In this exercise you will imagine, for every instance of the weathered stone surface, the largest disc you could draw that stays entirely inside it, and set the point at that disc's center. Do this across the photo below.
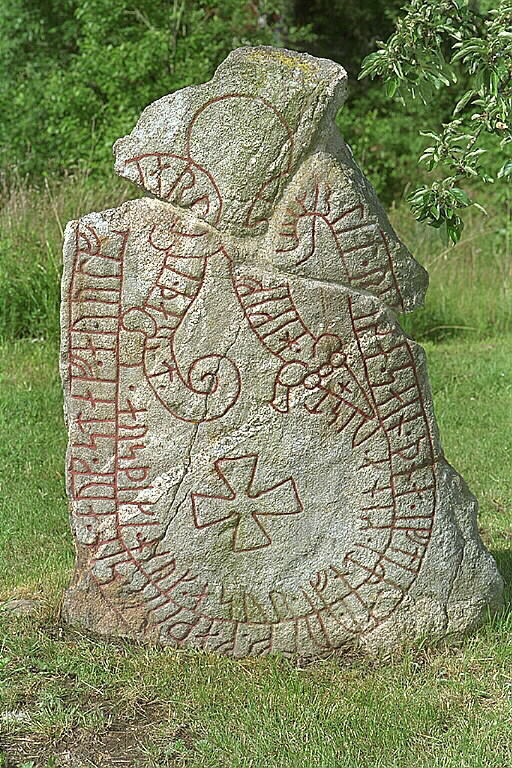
(254, 464)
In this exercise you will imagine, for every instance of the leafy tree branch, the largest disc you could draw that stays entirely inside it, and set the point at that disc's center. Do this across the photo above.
(452, 45)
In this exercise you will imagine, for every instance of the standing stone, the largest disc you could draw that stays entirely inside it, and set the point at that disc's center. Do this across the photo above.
(254, 464)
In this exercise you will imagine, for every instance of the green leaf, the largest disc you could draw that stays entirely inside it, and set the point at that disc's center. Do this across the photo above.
(369, 64)
(427, 156)
(494, 82)
(463, 101)
(460, 196)
(476, 153)
(391, 87)
(454, 227)
(418, 194)
(505, 170)
(435, 211)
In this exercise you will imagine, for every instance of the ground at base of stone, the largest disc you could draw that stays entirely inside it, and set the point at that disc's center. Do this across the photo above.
(119, 746)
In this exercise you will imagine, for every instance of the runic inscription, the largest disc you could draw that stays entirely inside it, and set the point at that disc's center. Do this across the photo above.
(253, 461)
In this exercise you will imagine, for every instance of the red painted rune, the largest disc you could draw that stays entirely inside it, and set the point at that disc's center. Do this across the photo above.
(244, 505)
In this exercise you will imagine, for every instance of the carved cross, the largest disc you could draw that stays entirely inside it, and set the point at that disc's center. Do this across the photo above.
(243, 505)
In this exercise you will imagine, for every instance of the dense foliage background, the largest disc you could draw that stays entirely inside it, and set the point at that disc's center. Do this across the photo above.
(77, 73)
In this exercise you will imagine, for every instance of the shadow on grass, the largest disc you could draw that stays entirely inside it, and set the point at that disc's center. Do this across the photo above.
(503, 559)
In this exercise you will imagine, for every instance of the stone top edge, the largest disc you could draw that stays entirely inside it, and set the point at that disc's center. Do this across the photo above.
(325, 74)
(303, 63)
(294, 97)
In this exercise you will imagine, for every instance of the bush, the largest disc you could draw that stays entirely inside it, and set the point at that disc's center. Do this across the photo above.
(77, 74)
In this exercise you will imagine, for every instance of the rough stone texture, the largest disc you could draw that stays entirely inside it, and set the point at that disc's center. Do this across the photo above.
(254, 464)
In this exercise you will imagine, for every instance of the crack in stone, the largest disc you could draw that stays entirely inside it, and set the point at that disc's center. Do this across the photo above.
(248, 244)
(192, 444)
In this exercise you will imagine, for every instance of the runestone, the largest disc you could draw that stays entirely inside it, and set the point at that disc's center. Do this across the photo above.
(254, 465)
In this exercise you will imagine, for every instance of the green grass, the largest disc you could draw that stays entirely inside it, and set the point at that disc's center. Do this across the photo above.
(34, 537)
(32, 222)
(64, 693)
(470, 291)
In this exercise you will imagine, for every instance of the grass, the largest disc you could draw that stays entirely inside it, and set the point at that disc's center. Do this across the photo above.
(32, 222)
(70, 700)
(34, 530)
(470, 291)
(121, 704)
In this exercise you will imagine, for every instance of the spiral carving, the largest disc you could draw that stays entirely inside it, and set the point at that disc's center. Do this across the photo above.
(209, 389)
